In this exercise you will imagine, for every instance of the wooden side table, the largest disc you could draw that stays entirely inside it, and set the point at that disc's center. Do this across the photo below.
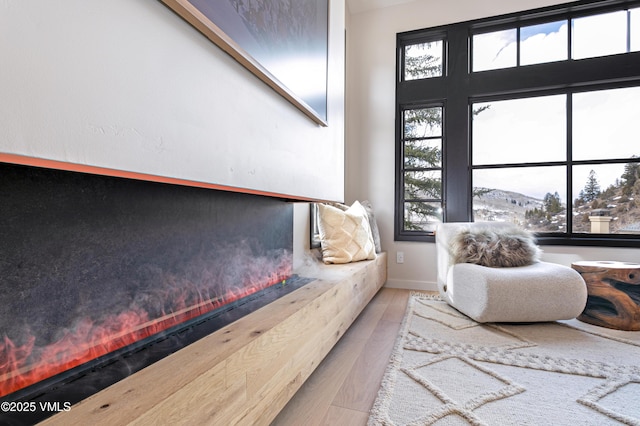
(613, 294)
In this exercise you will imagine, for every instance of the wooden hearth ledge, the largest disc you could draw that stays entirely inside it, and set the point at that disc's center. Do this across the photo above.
(246, 372)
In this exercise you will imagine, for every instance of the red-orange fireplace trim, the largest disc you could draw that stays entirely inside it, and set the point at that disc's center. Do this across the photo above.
(104, 171)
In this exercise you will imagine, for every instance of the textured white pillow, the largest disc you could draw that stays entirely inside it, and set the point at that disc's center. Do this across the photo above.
(345, 236)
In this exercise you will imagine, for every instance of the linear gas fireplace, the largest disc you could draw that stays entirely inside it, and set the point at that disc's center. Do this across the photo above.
(94, 269)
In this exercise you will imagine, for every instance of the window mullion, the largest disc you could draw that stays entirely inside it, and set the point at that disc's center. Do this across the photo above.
(628, 30)
(457, 181)
(570, 194)
(518, 46)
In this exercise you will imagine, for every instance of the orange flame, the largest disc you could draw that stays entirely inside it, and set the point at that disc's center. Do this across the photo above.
(90, 340)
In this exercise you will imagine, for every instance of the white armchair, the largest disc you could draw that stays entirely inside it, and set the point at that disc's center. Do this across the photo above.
(540, 291)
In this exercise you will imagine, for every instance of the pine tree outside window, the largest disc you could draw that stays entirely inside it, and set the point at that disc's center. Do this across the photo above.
(422, 168)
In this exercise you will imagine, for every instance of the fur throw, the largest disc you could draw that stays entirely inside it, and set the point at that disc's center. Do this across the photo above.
(501, 247)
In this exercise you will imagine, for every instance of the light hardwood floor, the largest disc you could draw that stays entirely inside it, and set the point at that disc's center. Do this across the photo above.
(343, 388)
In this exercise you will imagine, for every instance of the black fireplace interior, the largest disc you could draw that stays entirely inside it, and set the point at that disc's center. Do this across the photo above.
(100, 276)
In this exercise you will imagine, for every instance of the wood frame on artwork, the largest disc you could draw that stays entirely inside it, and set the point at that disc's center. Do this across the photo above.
(205, 17)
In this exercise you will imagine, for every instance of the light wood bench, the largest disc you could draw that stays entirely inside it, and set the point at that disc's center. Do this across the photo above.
(246, 372)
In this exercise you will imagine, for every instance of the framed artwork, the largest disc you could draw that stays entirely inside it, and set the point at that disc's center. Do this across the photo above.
(282, 42)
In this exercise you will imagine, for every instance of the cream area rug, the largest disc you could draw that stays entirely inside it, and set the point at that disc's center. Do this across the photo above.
(447, 369)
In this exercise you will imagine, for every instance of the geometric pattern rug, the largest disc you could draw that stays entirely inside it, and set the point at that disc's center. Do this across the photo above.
(447, 369)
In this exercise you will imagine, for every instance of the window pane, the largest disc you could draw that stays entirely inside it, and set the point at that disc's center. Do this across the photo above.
(519, 130)
(543, 43)
(423, 153)
(423, 60)
(606, 198)
(422, 216)
(606, 124)
(422, 123)
(533, 197)
(635, 29)
(599, 35)
(494, 50)
(423, 185)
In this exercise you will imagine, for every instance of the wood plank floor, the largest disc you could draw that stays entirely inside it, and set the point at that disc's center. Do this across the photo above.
(343, 388)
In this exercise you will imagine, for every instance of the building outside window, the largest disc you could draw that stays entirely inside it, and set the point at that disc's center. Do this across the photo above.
(531, 118)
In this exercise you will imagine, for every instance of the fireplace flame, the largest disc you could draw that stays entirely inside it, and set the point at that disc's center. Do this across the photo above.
(25, 364)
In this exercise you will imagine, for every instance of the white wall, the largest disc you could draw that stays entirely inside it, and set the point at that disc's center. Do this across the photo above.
(128, 85)
(371, 38)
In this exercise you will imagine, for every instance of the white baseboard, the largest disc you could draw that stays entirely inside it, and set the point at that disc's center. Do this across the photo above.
(411, 285)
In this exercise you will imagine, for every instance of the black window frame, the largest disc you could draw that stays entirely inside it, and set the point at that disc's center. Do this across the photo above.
(459, 87)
